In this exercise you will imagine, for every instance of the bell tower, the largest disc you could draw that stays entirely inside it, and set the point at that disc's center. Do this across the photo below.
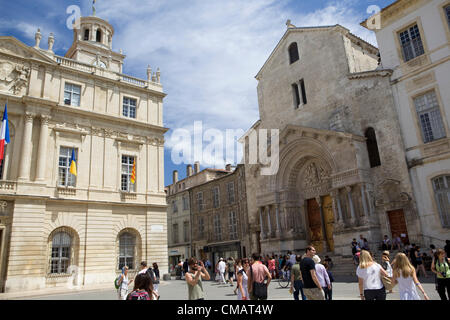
(92, 44)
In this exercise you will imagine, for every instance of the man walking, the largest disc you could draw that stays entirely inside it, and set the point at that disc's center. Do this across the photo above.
(312, 288)
(296, 279)
(222, 266)
(258, 273)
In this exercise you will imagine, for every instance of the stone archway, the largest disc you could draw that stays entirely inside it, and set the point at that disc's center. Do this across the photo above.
(306, 168)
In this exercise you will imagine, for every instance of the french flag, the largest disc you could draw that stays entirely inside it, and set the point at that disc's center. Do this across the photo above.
(4, 138)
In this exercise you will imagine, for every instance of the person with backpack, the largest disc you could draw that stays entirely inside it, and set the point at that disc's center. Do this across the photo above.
(123, 282)
(142, 288)
(441, 267)
(258, 273)
(156, 282)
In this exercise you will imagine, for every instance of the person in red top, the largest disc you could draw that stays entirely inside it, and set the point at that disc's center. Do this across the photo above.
(272, 267)
(258, 273)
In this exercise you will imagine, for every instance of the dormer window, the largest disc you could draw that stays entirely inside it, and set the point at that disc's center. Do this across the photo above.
(86, 34)
(293, 53)
(98, 36)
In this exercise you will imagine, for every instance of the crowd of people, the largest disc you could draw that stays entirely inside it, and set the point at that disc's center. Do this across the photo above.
(310, 276)
(146, 283)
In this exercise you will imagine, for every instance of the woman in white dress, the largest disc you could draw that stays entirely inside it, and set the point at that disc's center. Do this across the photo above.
(405, 276)
(242, 279)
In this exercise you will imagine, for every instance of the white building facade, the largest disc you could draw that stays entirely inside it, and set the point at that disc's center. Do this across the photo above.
(414, 42)
(58, 229)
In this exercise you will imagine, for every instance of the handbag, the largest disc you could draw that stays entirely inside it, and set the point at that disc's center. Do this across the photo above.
(259, 289)
(387, 282)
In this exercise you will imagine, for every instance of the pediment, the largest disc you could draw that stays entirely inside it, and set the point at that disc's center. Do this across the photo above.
(12, 46)
(314, 133)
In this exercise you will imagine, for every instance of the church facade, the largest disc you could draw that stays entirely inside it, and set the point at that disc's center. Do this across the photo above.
(61, 229)
(342, 169)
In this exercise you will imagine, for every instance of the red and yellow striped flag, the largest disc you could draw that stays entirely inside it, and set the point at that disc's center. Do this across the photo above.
(133, 172)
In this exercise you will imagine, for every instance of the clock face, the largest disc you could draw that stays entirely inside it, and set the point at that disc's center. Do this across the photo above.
(100, 64)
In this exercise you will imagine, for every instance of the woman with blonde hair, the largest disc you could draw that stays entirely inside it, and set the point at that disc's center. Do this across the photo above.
(369, 278)
(405, 275)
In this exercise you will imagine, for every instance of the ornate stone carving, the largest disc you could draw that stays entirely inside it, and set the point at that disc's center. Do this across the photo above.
(21, 79)
(13, 77)
(314, 175)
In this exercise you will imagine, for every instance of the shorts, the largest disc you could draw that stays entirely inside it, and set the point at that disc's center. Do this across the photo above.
(314, 294)
(230, 275)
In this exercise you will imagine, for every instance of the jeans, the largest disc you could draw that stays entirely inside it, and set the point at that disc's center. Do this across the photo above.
(375, 294)
(298, 286)
(328, 293)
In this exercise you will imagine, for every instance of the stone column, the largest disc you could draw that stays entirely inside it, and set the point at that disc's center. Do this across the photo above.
(42, 151)
(261, 223)
(25, 158)
(337, 209)
(277, 215)
(322, 220)
(363, 198)
(268, 222)
(350, 201)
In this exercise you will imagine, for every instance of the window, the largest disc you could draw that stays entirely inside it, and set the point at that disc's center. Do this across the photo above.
(296, 95)
(411, 43)
(217, 228)
(127, 245)
(61, 249)
(185, 203)
(372, 148)
(129, 108)
(293, 53)
(441, 187)
(201, 227)
(430, 119)
(98, 36)
(232, 223)
(72, 94)
(302, 87)
(175, 233)
(231, 192)
(299, 99)
(186, 231)
(86, 34)
(127, 169)
(447, 14)
(215, 194)
(66, 179)
(200, 201)
(174, 206)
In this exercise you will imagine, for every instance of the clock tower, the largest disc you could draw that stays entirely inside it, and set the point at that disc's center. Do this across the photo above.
(92, 44)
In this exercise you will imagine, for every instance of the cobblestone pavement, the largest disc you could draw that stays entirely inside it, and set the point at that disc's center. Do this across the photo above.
(345, 288)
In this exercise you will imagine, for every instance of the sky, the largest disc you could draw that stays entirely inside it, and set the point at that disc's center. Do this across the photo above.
(208, 51)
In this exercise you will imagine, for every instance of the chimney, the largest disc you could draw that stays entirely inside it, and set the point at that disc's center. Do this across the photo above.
(189, 170)
(228, 167)
(196, 167)
(175, 176)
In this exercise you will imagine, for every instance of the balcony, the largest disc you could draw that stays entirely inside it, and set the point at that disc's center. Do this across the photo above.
(8, 186)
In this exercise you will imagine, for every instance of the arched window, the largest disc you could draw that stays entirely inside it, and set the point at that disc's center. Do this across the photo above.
(98, 36)
(61, 252)
(441, 186)
(86, 34)
(372, 148)
(293, 52)
(127, 246)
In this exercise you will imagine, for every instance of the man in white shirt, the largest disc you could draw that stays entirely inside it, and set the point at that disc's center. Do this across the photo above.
(222, 266)
(292, 258)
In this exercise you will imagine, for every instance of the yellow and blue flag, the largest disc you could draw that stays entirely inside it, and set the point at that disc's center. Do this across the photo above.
(73, 164)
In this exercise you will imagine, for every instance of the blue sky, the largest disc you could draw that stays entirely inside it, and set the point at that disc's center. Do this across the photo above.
(209, 51)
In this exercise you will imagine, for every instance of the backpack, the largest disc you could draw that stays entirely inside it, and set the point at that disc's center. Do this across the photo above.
(116, 282)
(152, 276)
(138, 295)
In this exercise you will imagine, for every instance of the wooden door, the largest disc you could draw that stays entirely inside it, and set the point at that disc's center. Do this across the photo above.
(328, 217)
(397, 223)
(315, 224)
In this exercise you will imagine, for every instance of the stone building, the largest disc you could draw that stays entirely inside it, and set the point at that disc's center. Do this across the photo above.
(219, 217)
(179, 210)
(414, 41)
(342, 168)
(58, 229)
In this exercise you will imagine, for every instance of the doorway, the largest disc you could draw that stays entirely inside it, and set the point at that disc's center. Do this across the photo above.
(315, 224)
(328, 217)
(397, 223)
